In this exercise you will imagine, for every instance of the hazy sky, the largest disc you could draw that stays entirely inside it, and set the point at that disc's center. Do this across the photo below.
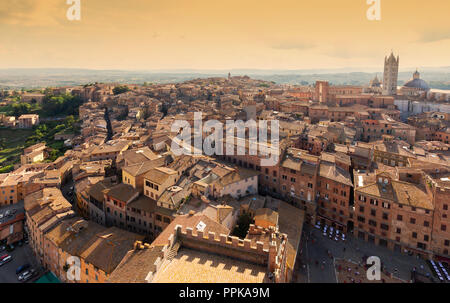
(223, 34)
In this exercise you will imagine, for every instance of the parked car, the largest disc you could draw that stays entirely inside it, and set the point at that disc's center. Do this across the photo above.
(20, 243)
(27, 275)
(4, 256)
(2, 248)
(22, 268)
(22, 275)
(1, 216)
(5, 259)
(8, 213)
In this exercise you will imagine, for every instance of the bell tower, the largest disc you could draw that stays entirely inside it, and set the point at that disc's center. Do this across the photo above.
(390, 76)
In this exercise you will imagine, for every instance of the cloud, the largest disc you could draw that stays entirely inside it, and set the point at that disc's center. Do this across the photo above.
(347, 51)
(434, 36)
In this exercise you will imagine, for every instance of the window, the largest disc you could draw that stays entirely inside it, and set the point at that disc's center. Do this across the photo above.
(399, 217)
(414, 235)
(373, 223)
(421, 245)
(445, 207)
(426, 223)
(384, 226)
(443, 227)
(385, 216)
(425, 238)
(412, 221)
(447, 242)
(373, 212)
(293, 180)
(398, 231)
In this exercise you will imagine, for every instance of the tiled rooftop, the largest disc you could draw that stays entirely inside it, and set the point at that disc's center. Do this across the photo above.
(191, 266)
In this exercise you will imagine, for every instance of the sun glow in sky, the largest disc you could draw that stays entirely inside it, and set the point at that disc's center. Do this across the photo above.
(218, 34)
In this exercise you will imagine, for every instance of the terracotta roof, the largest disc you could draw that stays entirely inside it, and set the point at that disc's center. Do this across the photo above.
(100, 246)
(401, 192)
(96, 190)
(333, 172)
(159, 175)
(136, 265)
(139, 155)
(122, 192)
(141, 168)
(190, 221)
(143, 203)
(290, 222)
(266, 214)
(192, 266)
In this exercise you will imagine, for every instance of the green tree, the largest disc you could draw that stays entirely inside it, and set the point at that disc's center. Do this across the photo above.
(120, 89)
(61, 105)
(21, 109)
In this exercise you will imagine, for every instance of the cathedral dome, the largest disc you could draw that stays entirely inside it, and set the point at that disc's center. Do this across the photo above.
(416, 82)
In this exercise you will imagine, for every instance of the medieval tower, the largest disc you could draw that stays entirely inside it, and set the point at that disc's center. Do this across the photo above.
(390, 75)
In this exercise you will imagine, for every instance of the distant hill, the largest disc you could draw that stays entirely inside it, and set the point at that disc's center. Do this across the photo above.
(437, 77)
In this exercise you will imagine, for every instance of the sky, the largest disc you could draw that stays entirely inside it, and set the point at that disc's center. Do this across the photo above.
(222, 34)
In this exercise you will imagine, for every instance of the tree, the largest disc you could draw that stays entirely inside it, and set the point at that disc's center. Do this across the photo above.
(21, 109)
(61, 105)
(120, 89)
